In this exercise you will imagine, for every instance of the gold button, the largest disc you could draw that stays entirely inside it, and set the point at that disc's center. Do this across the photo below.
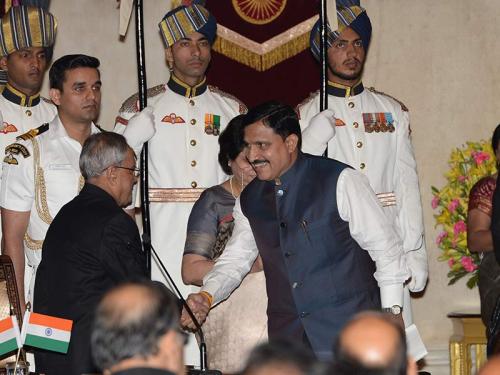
(193, 122)
(362, 165)
(194, 184)
(351, 105)
(28, 112)
(355, 125)
(193, 142)
(193, 163)
(359, 144)
(191, 102)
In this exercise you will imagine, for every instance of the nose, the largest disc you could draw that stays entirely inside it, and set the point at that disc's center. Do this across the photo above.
(250, 153)
(195, 50)
(35, 62)
(91, 93)
(351, 50)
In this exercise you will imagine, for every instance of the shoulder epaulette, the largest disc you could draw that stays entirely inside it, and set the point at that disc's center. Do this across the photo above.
(131, 104)
(311, 97)
(403, 106)
(48, 101)
(243, 108)
(33, 132)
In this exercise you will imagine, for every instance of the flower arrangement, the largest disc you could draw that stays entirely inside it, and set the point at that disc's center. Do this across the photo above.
(468, 164)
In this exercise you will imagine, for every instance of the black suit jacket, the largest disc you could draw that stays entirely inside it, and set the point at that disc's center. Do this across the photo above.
(91, 246)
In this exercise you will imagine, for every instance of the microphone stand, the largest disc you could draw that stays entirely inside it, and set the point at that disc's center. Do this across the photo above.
(203, 346)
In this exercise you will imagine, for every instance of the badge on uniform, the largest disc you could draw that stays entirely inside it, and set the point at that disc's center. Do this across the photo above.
(378, 122)
(173, 119)
(7, 128)
(15, 149)
(212, 124)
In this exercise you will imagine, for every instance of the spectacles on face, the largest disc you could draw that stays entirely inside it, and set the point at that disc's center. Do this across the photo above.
(136, 171)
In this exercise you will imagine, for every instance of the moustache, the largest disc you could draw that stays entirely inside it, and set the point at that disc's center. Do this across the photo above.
(256, 163)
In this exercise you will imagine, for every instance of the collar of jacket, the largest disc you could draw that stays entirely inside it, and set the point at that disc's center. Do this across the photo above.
(182, 88)
(341, 91)
(15, 96)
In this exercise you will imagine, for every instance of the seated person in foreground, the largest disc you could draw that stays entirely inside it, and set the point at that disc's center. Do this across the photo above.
(372, 343)
(136, 331)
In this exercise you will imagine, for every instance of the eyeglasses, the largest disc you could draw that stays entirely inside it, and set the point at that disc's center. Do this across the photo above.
(137, 171)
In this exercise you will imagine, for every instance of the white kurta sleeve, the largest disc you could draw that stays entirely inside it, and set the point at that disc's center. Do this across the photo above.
(370, 228)
(236, 259)
(410, 215)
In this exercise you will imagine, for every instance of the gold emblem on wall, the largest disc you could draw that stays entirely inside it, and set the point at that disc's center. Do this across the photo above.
(259, 12)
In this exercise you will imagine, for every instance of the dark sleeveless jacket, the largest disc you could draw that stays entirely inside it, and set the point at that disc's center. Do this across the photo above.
(317, 275)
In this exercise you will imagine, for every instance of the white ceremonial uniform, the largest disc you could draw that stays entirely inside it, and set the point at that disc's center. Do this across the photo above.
(358, 206)
(372, 134)
(182, 162)
(20, 113)
(40, 174)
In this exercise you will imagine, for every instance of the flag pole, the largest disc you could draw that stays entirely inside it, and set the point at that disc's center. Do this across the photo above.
(141, 78)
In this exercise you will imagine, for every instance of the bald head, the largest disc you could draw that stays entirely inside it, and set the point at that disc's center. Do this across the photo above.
(130, 322)
(372, 341)
(492, 367)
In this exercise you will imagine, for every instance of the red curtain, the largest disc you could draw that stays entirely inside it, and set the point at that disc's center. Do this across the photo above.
(289, 81)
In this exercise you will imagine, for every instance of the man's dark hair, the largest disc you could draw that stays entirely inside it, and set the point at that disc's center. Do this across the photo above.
(345, 363)
(231, 143)
(118, 335)
(280, 351)
(57, 72)
(280, 117)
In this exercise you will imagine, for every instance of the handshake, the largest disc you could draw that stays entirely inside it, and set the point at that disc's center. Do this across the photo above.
(199, 304)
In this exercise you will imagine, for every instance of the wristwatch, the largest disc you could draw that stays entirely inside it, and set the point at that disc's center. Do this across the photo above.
(394, 310)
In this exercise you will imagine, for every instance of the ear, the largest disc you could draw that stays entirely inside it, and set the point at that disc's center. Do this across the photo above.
(111, 175)
(3, 63)
(55, 96)
(291, 142)
(169, 57)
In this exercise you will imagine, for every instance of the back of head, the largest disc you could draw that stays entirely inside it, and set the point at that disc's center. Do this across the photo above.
(278, 116)
(279, 357)
(101, 151)
(371, 343)
(57, 72)
(130, 320)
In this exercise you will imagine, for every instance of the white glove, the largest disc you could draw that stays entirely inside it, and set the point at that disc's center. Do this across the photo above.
(321, 129)
(417, 263)
(140, 129)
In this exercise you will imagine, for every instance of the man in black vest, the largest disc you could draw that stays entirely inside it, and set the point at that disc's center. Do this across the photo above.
(322, 235)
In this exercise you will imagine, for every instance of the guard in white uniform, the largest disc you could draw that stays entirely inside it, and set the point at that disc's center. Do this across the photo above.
(41, 171)
(370, 131)
(21, 106)
(182, 122)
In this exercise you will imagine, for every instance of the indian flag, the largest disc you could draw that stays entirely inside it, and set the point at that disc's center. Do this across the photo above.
(10, 338)
(46, 332)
